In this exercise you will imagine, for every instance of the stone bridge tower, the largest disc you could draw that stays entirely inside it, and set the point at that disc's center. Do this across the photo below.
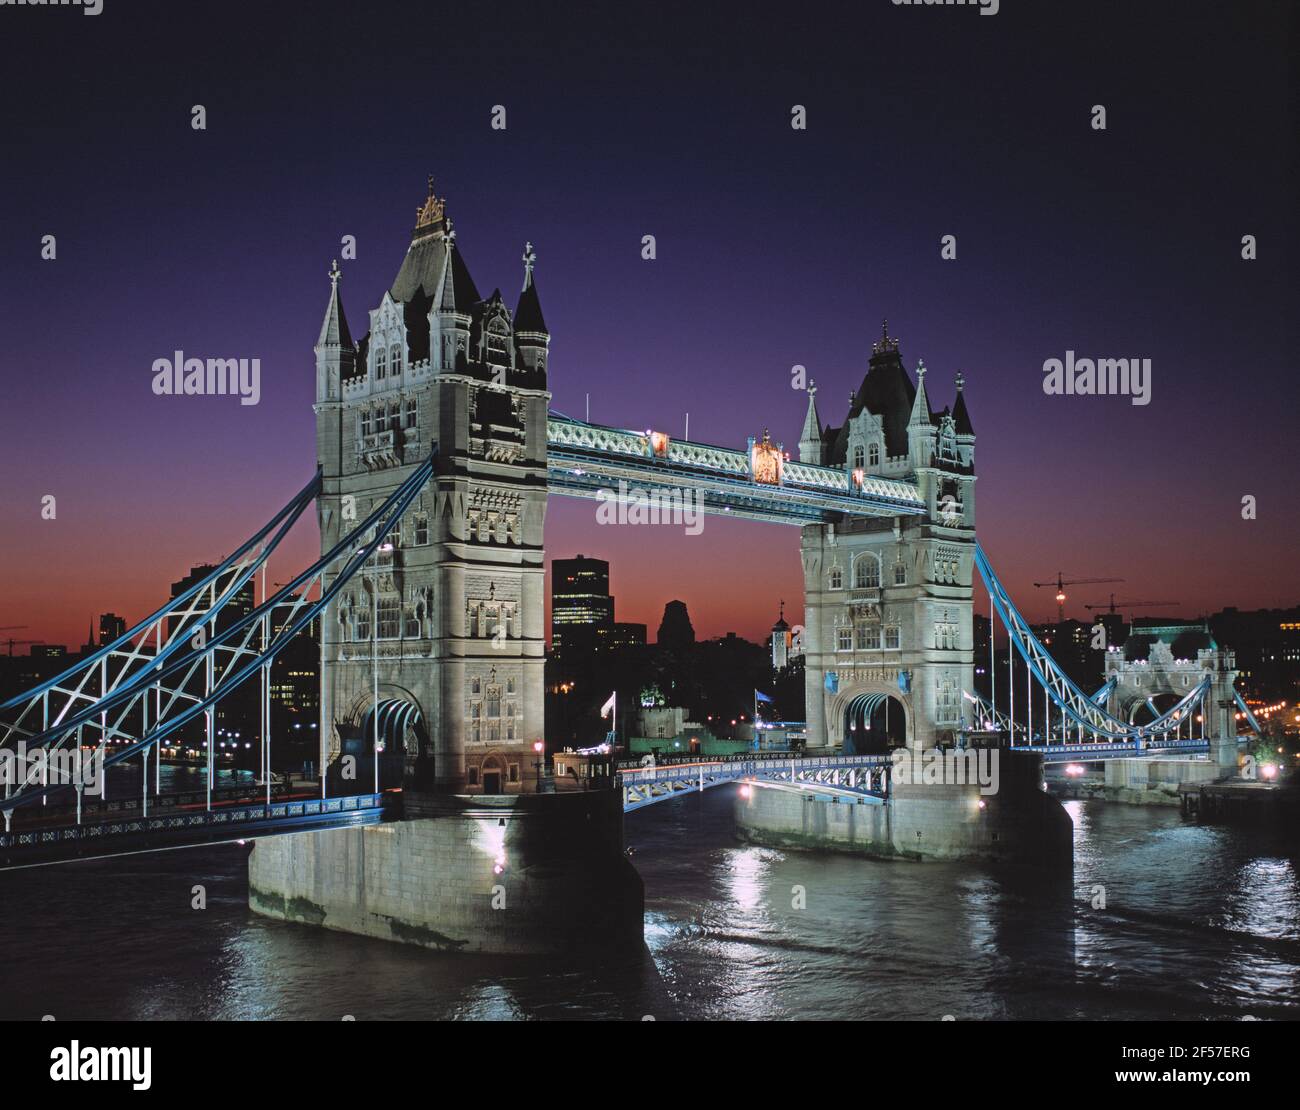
(1168, 662)
(459, 594)
(888, 600)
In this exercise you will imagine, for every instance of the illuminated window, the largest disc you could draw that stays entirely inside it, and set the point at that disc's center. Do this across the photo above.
(866, 573)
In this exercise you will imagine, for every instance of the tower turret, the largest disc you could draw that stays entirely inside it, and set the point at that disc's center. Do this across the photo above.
(810, 441)
(920, 425)
(532, 340)
(336, 354)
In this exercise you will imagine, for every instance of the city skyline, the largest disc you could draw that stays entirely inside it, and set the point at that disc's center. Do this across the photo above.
(782, 248)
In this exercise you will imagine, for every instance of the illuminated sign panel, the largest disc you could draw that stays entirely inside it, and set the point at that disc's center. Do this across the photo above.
(765, 462)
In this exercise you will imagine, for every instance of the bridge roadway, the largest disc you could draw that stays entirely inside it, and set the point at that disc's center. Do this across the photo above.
(181, 821)
(34, 837)
(835, 774)
(1074, 752)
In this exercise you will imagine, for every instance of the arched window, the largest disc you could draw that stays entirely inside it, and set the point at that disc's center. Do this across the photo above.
(873, 455)
(857, 457)
(837, 579)
(395, 359)
(866, 572)
(381, 363)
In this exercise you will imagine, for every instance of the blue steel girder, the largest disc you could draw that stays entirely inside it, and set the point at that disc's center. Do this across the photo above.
(289, 611)
(1076, 705)
(585, 459)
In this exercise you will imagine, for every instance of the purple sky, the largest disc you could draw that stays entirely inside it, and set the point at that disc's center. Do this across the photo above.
(775, 247)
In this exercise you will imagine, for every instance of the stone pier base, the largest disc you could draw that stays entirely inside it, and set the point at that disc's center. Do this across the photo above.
(518, 874)
(1020, 824)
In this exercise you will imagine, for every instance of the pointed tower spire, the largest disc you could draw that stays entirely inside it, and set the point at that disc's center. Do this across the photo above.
(528, 314)
(532, 339)
(335, 352)
(334, 330)
(810, 441)
(920, 417)
(920, 425)
(960, 417)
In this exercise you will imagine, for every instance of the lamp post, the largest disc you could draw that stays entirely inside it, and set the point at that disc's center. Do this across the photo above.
(374, 656)
(538, 748)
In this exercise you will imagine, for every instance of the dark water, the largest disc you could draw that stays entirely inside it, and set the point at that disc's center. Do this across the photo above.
(1199, 922)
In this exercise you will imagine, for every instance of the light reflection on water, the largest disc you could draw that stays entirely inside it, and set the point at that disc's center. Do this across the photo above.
(1198, 922)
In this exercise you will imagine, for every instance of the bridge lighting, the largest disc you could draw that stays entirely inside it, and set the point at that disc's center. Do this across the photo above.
(982, 804)
(746, 791)
(1074, 769)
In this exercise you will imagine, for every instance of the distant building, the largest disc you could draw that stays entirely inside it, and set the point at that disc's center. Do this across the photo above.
(239, 712)
(111, 626)
(675, 630)
(582, 610)
(624, 635)
(784, 648)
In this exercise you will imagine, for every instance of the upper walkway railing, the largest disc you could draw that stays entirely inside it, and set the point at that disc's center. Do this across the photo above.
(585, 460)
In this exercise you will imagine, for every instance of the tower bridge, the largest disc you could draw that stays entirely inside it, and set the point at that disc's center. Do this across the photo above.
(436, 453)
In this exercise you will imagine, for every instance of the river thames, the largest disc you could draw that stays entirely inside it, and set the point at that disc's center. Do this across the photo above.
(1198, 922)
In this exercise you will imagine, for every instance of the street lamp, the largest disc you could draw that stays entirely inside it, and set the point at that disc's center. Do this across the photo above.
(538, 748)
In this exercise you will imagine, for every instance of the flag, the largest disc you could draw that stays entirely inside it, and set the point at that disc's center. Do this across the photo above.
(760, 696)
(608, 707)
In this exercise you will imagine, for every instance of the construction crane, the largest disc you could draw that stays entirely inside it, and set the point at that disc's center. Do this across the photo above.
(1060, 584)
(1126, 604)
(11, 627)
